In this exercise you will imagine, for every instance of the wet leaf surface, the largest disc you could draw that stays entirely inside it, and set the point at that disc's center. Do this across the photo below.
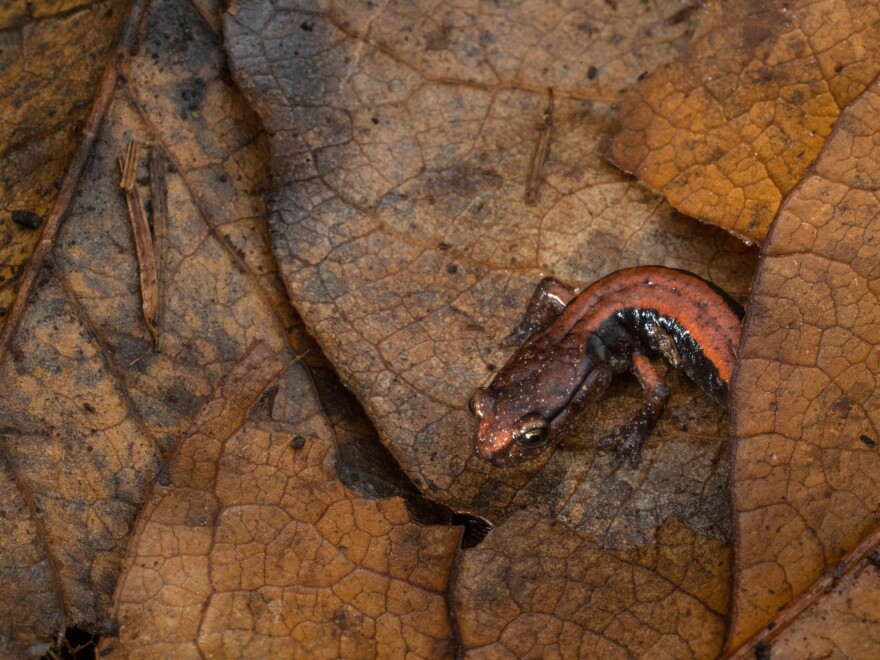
(728, 130)
(806, 466)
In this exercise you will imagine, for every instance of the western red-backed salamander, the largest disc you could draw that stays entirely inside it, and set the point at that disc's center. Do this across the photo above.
(572, 346)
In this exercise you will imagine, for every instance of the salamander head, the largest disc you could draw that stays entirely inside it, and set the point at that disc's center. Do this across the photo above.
(523, 409)
(504, 436)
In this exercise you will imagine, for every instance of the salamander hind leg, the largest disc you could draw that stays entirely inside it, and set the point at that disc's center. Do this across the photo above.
(627, 439)
(547, 302)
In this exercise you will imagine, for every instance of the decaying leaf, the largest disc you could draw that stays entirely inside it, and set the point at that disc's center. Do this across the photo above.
(95, 415)
(536, 589)
(806, 465)
(844, 623)
(837, 614)
(87, 411)
(49, 123)
(424, 179)
(728, 130)
(76, 460)
(401, 141)
(400, 154)
(254, 547)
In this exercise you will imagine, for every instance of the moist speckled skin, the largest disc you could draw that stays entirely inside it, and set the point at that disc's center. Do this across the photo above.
(605, 330)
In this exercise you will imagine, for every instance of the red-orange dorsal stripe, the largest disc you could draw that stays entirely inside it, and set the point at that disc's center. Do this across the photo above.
(694, 304)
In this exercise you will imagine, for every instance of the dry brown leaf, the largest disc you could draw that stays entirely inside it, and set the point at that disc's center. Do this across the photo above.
(91, 410)
(843, 624)
(401, 141)
(837, 614)
(47, 81)
(402, 138)
(254, 547)
(535, 589)
(95, 415)
(728, 130)
(806, 465)
(400, 222)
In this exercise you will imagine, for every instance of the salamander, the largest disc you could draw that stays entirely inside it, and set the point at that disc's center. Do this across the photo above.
(571, 346)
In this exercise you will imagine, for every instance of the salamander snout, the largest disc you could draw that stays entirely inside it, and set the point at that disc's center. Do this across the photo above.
(506, 439)
(499, 447)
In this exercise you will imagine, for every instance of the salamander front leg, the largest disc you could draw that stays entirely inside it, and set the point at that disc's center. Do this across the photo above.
(547, 302)
(626, 440)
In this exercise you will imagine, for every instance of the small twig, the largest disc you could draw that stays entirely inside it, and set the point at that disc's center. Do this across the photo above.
(542, 150)
(143, 240)
(117, 59)
(208, 12)
(128, 164)
(159, 195)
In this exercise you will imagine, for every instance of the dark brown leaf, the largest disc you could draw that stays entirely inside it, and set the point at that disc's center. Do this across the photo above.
(400, 151)
(95, 419)
(421, 188)
(87, 411)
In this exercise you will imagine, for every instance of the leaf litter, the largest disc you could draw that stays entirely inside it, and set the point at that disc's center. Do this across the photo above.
(407, 164)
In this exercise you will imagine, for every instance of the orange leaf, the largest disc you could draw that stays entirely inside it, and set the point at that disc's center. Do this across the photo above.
(728, 130)
(806, 421)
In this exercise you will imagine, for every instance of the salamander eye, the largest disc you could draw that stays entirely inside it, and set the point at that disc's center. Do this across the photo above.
(532, 431)
(472, 404)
